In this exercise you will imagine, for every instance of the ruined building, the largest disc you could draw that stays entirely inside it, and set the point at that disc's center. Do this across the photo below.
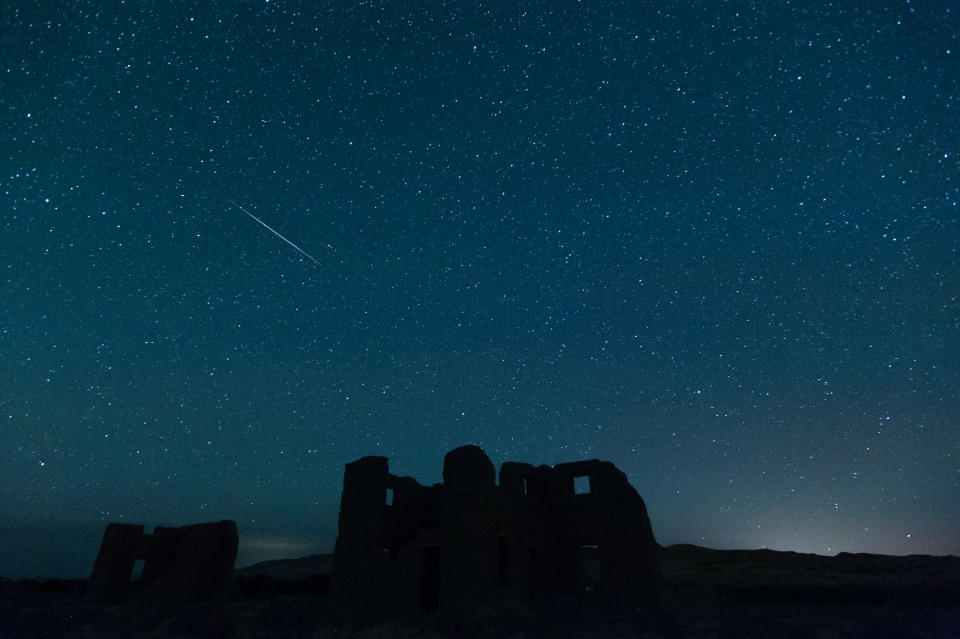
(469, 544)
(187, 563)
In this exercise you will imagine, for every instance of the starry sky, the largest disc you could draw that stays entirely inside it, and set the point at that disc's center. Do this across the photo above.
(715, 243)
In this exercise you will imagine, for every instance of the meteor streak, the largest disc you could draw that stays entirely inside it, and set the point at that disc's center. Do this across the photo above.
(274, 232)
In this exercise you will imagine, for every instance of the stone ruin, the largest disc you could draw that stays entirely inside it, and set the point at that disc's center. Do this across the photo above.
(186, 563)
(468, 545)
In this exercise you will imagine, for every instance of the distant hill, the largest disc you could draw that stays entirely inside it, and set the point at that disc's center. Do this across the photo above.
(764, 575)
(289, 568)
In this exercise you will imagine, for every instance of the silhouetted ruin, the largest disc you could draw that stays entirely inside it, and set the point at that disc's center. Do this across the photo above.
(467, 545)
(187, 563)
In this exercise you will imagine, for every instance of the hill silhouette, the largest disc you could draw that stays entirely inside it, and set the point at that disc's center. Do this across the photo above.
(299, 568)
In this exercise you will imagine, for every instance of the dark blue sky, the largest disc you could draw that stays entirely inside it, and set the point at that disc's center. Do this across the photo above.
(715, 243)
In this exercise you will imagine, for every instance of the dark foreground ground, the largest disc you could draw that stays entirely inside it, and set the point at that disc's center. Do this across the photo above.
(708, 593)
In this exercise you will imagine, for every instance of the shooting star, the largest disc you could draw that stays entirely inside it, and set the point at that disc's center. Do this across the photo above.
(315, 261)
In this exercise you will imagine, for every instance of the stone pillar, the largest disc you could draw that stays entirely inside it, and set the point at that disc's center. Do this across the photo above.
(357, 581)
(120, 548)
(202, 564)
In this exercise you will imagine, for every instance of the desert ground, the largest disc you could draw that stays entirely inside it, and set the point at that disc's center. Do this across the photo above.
(706, 593)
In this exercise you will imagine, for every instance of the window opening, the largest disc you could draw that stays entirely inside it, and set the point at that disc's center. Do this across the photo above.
(590, 572)
(533, 575)
(429, 578)
(137, 573)
(503, 562)
(581, 485)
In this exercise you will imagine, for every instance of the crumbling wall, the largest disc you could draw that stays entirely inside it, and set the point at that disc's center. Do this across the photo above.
(188, 563)
(601, 543)
(377, 560)
(585, 529)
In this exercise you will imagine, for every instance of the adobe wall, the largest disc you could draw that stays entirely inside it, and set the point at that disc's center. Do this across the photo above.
(188, 563)
(470, 545)
(376, 562)
(610, 515)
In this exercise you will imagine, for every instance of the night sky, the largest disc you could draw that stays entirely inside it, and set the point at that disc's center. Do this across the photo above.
(715, 243)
